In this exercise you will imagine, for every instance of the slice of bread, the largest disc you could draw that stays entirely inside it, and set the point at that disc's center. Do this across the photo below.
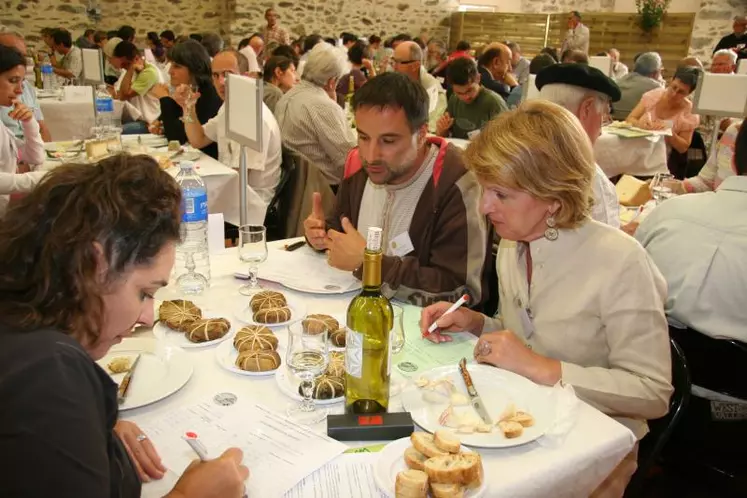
(446, 441)
(477, 481)
(423, 442)
(414, 459)
(447, 490)
(524, 418)
(411, 484)
(511, 429)
(454, 469)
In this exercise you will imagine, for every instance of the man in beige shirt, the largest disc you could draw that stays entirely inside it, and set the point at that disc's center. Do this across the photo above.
(311, 122)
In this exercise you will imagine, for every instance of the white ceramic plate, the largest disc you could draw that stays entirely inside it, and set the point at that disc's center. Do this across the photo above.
(226, 355)
(297, 307)
(391, 462)
(176, 338)
(161, 371)
(289, 386)
(497, 388)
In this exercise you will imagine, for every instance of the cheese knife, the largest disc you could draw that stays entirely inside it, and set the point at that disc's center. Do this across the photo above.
(125, 385)
(475, 399)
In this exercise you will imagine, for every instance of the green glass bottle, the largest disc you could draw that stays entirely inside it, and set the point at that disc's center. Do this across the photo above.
(367, 341)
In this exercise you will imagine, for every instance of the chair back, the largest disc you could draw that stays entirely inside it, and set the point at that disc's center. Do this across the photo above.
(688, 164)
(661, 429)
(296, 199)
(277, 212)
(719, 365)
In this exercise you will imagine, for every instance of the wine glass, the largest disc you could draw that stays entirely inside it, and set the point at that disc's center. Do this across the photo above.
(398, 329)
(252, 250)
(307, 358)
(661, 187)
(191, 282)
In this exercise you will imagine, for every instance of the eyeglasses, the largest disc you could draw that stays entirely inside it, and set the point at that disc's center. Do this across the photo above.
(395, 61)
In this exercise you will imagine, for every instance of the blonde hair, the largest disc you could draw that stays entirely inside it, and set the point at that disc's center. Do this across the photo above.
(541, 149)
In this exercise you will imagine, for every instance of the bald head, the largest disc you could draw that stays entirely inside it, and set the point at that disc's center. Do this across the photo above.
(496, 58)
(13, 40)
(740, 24)
(408, 56)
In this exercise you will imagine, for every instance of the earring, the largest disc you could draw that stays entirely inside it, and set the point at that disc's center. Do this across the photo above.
(551, 233)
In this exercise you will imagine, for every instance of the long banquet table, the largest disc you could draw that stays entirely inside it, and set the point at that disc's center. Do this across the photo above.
(571, 468)
(68, 120)
(644, 156)
(221, 181)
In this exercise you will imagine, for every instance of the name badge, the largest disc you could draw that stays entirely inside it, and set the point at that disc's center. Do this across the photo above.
(473, 134)
(401, 245)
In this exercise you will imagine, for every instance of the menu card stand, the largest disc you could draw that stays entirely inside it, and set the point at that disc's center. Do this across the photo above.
(244, 125)
(722, 96)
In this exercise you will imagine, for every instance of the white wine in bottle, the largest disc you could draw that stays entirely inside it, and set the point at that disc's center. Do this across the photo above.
(367, 347)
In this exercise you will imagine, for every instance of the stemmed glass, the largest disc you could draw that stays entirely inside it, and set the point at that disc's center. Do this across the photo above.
(191, 282)
(661, 189)
(307, 358)
(252, 250)
(398, 329)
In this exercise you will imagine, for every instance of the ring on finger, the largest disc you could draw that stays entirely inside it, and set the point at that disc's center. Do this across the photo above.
(483, 348)
(140, 438)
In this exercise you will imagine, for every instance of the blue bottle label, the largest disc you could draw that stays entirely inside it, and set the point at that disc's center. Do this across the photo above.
(195, 208)
(104, 105)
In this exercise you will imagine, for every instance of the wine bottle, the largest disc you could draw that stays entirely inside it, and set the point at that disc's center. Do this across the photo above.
(367, 339)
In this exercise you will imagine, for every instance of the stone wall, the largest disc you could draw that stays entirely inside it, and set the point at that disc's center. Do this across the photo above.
(182, 16)
(362, 17)
(239, 18)
(714, 20)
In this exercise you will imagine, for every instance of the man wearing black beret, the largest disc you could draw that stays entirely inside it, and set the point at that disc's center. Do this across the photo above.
(587, 93)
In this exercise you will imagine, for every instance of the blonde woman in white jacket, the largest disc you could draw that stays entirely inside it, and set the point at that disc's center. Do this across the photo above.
(13, 151)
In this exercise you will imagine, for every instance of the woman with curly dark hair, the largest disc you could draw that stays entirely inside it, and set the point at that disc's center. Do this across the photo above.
(80, 259)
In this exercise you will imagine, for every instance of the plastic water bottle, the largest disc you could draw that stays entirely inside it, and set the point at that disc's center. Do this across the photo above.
(192, 255)
(104, 108)
(49, 81)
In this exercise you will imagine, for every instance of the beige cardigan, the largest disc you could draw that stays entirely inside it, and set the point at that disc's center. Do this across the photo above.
(597, 305)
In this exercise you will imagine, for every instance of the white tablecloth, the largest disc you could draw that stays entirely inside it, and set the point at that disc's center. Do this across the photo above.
(74, 120)
(587, 455)
(221, 181)
(632, 156)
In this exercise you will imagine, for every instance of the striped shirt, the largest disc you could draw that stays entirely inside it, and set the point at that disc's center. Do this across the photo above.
(312, 124)
(720, 164)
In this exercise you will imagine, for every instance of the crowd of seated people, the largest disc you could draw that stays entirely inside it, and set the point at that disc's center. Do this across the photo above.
(380, 119)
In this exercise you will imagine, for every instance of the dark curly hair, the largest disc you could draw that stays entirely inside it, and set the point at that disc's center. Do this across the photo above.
(125, 206)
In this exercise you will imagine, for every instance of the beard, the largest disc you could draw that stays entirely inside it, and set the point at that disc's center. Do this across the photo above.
(388, 173)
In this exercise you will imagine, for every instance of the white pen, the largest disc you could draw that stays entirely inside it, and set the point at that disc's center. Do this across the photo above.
(637, 214)
(451, 309)
(194, 442)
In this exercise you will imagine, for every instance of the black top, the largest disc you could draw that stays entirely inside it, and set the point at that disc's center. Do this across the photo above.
(206, 107)
(58, 410)
(486, 80)
(734, 41)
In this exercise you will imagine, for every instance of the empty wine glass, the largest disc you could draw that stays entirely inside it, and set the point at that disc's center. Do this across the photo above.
(307, 358)
(398, 329)
(191, 282)
(252, 250)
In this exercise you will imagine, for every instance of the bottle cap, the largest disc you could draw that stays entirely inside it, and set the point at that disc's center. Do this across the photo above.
(373, 241)
(186, 165)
